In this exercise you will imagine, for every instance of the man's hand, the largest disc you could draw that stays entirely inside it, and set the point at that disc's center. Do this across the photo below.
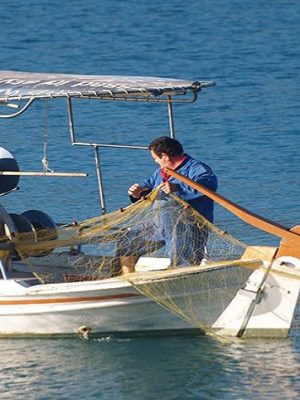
(168, 187)
(136, 190)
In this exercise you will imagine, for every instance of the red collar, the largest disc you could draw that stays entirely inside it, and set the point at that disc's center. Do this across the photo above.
(165, 176)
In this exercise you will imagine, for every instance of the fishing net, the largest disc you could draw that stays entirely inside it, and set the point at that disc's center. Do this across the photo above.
(163, 247)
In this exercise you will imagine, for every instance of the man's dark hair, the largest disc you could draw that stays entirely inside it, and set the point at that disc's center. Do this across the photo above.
(166, 145)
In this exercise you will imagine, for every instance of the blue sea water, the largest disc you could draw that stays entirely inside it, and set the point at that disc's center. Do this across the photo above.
(246, 128)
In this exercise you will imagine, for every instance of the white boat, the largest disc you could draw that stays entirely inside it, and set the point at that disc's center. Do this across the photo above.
(218, 296)
(103, 307)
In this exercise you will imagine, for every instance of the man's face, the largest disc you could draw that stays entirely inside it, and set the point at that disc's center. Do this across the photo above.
(163, 161)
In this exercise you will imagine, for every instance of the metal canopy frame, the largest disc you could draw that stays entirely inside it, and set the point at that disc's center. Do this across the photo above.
(28, 87)
(97, 146)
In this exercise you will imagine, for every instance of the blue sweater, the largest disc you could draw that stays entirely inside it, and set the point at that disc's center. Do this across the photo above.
(198, 172)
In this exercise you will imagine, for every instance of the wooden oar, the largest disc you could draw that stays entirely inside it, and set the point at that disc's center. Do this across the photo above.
(290, 244)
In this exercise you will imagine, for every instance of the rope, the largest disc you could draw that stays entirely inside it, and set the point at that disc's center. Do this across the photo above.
(45, 137)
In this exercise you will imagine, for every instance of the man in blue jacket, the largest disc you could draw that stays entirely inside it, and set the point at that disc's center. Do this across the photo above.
(168, 152)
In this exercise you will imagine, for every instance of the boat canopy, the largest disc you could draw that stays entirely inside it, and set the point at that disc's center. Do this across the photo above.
(26, 85)
(18, 90)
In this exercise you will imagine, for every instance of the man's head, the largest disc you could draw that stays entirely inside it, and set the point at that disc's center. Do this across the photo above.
(166, 151)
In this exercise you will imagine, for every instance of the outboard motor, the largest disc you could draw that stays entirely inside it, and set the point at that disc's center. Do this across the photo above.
(8, 163)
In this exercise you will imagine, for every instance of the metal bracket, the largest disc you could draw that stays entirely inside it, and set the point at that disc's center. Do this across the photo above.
(23, 109)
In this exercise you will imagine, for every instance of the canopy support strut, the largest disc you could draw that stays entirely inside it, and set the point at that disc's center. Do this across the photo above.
(99, 179)
(23, 109)
(171, 118)
(97, 146)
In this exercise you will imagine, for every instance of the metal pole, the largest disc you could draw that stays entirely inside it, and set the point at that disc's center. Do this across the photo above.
(2, 269)
(34, 173)
(23, 109)
(100, 180)
(71, 120)
(171, 119)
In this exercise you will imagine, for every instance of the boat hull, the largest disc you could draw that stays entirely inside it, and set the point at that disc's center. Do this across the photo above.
(223, 298)
(103, 307)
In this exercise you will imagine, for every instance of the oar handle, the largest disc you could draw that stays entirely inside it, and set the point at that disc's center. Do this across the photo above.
(244, 214)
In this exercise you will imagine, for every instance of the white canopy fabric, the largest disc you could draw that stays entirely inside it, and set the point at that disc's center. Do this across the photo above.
(26, 85)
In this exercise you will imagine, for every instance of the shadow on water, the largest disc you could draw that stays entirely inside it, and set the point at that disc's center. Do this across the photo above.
(178, 367)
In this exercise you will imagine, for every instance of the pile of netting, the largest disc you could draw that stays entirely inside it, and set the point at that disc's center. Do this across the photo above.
(205, 266)
(157, 226)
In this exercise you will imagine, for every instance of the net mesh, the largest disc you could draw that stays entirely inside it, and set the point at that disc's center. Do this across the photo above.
(195, 268)
(157, 226)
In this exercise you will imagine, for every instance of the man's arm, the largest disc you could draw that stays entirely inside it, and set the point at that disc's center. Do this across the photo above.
(208, 180)
(136, 191)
